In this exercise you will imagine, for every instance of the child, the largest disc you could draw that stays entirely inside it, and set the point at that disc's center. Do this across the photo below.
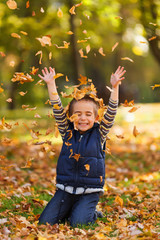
(81, 164)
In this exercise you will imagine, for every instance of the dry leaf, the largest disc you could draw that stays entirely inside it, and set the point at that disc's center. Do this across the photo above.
(28, 163)
(37, 115)
(155, 85)
(119, 201)
(24, 33)
(23, 93)
(1, 90)
(40, 60)
(81, 41)
(56, 131)
(15, 35)
(27, 4)
(133, 109)
(128, 104)
(34, 70)
(70, 33)
(50, 55)
(154, 24)
(74, 117)
(82, 54)
(88, 49)
(72, 10)
(68, 144)
(76, 156)
(60, 13)
(152, 38)
(12, 4)
(120, 136)
(9, 100)
(45, 40)
(135, 131)
(101, 178)
(42, 10)
(2, 54)
(67, 80)
(22, 78)
(101, 51)
(127, 58)
(115, 45)
(58, 75)
(83, 80)
(118, 17)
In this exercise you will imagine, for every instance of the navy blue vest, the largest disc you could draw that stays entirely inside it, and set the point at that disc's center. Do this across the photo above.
(82, 160)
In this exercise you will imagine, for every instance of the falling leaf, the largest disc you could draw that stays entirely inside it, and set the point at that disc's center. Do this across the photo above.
(82, 54)
(45, 40)
(50, 55)
(15, 35)
(85, 31)
(42, 10)
(152, 38)
(70, 33)
(58, 75)
(128, 104)
(133, 109)
(118, 17)
(135, 131)
(33, 13)
(66, 45)
(22, 78)
(74, 117)
(1, 90)
(67, 80)
(37, 115)
(23, 93)
(81, 41)
(101, 51)
(27, 4)
(88, 49)
(60, 13)
(12, 63)
(87, 167)
(2, 54)
(120, 136)
(155, 85)
(34, 134)
(78, 4)
(115, 45)
(11, 4)
(40, 60)
(154, 24)
(9, 100)
(34, 70)
(24, 33)
(72, 10)
(25, 106)
(127, 58)
(143, 42)
(76, 156)
(119, 201)
(56, 106)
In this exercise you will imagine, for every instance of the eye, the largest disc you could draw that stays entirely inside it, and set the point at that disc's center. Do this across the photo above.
(88, 114)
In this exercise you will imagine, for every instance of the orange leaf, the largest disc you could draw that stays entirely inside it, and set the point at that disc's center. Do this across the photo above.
(73, 118)
(60, 13)
(76, 156)
(152, 38)
(155, 85)
(34, 70)
(11, 4)
(115, 45)
(101, 51)
(56, 131)
(133, 109)
(28, 163)
(72, 10)
(87, 167)
(50, 55)
(15, 35)
(119, 201)
(27, 4)
(70, 33)
(67, 80)
(128, 104)
(135, 131)
(81, 41)
(83, 80)
(58, 75)
(127, 58)
(22, 93)
(40, 60)
(2, 54)
(70, 135)
(1, 90)
(68, 144)
(78, 4)
(9, 100)
(56, 106)
(120, 136)
(101, 178)
(24, 33)
(37, 115)
(21, 77)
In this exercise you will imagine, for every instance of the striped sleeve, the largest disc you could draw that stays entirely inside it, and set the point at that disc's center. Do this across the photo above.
(108, 119)
(60, 116)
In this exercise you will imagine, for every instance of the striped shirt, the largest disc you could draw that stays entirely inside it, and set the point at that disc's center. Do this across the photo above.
(105, 124)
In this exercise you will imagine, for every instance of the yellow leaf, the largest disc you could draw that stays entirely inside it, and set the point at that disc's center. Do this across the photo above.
(127, 58)
(56, 106)
(24, 33)
(119, 201)
(50, 55)
(81, 41)
(83, 80)
(28, 163)
(73, 118)
(22, 93)
(60, 13)
(72, 10)
(15, 35)
(67, 80)
(11, 4)
(128, 104)
(1, 90)
(155, 85)
(69, 32)
(40, 60)
(58, 75)
(56, 131)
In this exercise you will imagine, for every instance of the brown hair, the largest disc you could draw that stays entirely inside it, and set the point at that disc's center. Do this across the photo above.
(85, 98)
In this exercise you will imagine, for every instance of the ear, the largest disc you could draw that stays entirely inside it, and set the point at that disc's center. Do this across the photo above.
(96, 118)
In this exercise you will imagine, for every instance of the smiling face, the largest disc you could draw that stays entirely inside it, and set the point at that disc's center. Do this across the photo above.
(85, 111)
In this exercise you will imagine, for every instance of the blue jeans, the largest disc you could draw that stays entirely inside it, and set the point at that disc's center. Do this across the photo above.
(78, 209)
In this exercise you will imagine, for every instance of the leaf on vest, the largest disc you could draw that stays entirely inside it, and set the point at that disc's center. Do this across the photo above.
(101, 178)
(77, 156)
(70, 135)
(87, 167)
(68, 144)
(71, 151)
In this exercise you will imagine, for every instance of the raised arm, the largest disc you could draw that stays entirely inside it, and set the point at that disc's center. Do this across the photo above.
(58, 110)
(109, 116)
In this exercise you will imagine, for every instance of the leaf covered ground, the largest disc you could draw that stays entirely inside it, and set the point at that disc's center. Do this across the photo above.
(130, 204)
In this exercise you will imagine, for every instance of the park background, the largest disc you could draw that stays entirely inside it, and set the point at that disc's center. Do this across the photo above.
(90, 39)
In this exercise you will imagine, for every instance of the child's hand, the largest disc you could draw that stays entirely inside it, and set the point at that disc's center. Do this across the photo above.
(48, 76)
(116, 77)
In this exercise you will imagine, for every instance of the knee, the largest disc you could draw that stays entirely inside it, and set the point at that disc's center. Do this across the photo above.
(79, 221)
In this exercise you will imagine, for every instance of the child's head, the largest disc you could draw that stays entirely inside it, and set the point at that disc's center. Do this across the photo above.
(86, 110)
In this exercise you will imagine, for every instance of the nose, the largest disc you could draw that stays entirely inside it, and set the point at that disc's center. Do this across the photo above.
(83, 117)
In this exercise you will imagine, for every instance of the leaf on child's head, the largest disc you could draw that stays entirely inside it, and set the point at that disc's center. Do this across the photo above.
(83, 80)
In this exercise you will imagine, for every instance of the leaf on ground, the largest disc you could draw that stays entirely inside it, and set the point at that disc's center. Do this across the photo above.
(119, 201)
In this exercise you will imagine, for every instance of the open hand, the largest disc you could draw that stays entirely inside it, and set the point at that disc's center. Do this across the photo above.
(48, 76)
(116, 77)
